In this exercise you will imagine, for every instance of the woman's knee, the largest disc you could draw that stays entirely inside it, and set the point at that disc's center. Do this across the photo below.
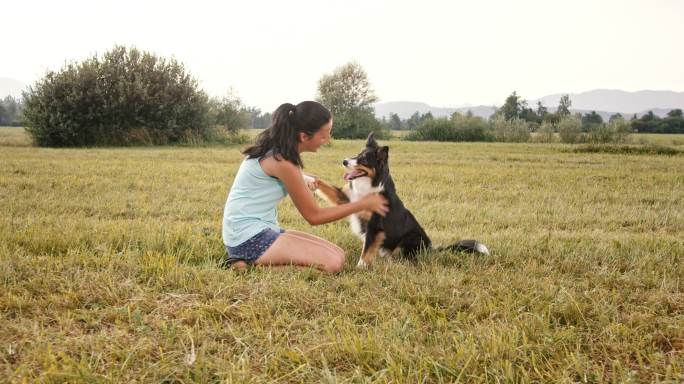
(335, 263)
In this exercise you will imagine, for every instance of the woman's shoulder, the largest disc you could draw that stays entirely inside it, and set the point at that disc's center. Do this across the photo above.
(273, 166)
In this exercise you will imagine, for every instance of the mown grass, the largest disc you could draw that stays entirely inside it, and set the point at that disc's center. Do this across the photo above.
(651, 149)
(14, 137)
(659, 139)
(108, 272)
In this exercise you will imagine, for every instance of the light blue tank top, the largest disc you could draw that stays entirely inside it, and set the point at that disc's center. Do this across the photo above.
(251, 204)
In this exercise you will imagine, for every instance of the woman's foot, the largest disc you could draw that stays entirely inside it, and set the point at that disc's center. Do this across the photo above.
(239, 265)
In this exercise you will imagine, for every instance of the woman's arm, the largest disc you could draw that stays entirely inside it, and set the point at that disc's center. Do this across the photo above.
(307, 206)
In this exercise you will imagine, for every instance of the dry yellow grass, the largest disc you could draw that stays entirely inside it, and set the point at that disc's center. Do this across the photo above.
(108, 271)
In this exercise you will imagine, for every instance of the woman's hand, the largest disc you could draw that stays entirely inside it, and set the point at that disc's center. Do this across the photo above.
(377, 203)
(311, 181)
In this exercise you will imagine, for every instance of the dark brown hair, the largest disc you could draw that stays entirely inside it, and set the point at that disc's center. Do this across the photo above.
(282, 136)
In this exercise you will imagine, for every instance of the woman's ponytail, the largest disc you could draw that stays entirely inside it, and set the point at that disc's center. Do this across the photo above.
(282, 136)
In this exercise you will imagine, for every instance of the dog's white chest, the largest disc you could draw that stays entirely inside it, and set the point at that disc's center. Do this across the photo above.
(360, 188)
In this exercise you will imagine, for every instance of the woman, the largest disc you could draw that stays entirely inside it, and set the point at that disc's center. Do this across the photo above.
(272, 170)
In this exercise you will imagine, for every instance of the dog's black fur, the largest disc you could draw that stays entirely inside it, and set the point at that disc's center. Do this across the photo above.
(399, 229)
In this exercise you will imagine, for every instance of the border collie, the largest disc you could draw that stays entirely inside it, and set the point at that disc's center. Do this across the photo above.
(368, 172)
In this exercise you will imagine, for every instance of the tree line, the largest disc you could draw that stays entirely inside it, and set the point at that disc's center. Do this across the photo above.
(11, 109)
(128, 97)
(515, 121)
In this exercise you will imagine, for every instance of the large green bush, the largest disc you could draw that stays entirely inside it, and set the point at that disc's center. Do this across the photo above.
(125, 97)
(511, 131)
(457, 128)
(357, 125)
(546, 133)
(570, 129)
(616, 131)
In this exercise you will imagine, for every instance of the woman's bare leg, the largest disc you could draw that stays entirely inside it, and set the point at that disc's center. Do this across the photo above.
(309, 236)
(305, 251)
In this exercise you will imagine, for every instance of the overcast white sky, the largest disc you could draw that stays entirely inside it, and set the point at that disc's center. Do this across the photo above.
(444, 53)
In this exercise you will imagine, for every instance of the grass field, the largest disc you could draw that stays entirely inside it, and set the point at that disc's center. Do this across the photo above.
(108, 271)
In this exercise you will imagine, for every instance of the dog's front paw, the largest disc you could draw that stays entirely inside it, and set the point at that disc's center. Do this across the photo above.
(361, 264)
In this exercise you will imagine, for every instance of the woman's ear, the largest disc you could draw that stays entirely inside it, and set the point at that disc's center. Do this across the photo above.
(302, 136)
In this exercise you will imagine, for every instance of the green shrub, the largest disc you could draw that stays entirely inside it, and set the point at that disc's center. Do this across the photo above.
(457, 128)
(443, 129)
(622, 129)
(511, 131)
(357, 124)
(217, 134)
(126, 97)
(546, 133)
(617, 131)
(229, 113)
(599, 133)
(570, 129)
(470, 127)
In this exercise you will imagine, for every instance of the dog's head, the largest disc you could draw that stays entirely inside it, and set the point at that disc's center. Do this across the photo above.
(370, 162)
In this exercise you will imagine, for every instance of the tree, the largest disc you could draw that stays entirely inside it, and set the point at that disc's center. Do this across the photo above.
(10, 111)
(126, 96)
(229, 113)
(564, 106)
(515, 107)
(258, 119)
(551, 118)
(541, 110)
(4, 117)
(591, 120)
(512, 107)
(413, 122)
(649, 123)
(394, 122)
(348, 94)
(529, 115)
(675, 113)
(649, 116)
(616, 117)
(673, 123)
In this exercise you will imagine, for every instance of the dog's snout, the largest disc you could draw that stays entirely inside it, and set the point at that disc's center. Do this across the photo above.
(345, 162)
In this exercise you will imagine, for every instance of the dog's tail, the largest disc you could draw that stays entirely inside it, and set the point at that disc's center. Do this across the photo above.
(472, 246)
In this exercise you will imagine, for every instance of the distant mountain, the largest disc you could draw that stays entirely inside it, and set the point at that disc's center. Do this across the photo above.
(407, 108)
(482, 111)
(604, 102)
(10, 87)
(619, 101)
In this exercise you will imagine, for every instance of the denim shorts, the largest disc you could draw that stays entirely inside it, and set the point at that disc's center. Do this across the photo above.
(250, 250)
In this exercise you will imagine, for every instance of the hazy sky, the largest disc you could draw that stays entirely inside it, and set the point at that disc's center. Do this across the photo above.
(444, 53)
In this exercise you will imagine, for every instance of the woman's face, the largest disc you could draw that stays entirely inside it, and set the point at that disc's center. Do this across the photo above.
(315, 141)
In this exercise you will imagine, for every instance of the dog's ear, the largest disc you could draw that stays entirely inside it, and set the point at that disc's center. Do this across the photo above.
(382, 153)
(370, 141)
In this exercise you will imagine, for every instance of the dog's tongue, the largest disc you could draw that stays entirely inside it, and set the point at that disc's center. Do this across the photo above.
(350, 175)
